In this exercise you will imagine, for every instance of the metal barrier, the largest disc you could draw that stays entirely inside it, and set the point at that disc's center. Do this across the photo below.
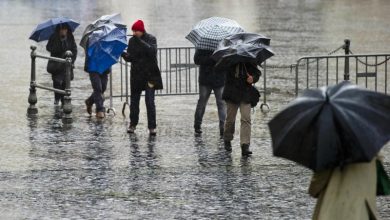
(331, 69)
(178, 72)
(32, 98)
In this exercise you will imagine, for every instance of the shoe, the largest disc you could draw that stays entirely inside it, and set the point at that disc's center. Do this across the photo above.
(131, 129)
(228, 146)
(152, 132)
(100, 115)
(89, 107)
(245, 150)
(198, 129)
(56, 102)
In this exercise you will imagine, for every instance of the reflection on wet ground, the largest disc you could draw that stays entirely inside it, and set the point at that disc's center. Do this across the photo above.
(94, 170)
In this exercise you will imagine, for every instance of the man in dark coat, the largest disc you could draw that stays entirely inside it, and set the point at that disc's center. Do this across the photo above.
(99, 86)
(145, 74)
(61, 41)
(239, 80)
(209, 80)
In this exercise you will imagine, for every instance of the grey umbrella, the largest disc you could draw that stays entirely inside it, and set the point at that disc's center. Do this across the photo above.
(114, 19)
(207, 33)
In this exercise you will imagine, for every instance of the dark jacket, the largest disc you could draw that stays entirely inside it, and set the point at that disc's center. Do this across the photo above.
(58, 47)
(208, 75)
(142, 53)
(236, 87)
(86, 61)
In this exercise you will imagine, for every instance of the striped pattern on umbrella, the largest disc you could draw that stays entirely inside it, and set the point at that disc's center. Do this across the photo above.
(209, 32)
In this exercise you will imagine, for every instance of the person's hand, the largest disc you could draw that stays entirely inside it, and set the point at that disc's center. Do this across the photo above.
(124, 54)
(249, 79)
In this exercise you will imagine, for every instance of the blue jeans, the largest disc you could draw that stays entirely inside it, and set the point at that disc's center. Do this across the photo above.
(99, 85)
(150, 108)
(204, 95)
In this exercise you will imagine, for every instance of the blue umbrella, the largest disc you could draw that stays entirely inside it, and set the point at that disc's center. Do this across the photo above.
(105, 45)
(44, 30)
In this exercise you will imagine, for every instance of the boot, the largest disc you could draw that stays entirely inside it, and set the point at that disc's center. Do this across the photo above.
(245, 150)
(131, 129)
(198, 129)
(152, 132)
(100, 115)
(228, 146)
(89, 107)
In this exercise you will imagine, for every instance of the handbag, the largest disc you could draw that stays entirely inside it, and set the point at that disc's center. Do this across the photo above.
(254, 94)
(54, 67)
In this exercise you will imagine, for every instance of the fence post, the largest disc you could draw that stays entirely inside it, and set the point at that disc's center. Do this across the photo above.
(32, 98)
(67, 108)
(346, 64)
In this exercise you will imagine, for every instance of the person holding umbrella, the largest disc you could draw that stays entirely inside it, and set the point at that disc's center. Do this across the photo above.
(145, 75)
(206, 35)
(103, 41)
(240, 54)
(58, 32)
(337, 132)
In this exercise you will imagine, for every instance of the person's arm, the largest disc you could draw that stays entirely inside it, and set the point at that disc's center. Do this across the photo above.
(253, 71)
(150, 47)
(128, 56)
(54, 45)
(74, 50)
(203, 58)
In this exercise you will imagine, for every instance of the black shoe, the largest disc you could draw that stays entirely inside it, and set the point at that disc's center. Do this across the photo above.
(152, 132)
(245, 150)
(228, 146)
(198, 129)
(56, 102)
(131, 129)
(88, 107)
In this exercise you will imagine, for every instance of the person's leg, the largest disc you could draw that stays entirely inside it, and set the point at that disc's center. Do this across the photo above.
(97, 91)
(150, 108)
(57, 85)
(134, 108)
(204, 94)
(231, 112)
(221, 108)
(103, 80)
(245, 130)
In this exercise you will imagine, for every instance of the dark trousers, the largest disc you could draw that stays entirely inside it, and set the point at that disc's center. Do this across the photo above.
(58, 83)
(150, 107)
(204, 95)
(99, 85)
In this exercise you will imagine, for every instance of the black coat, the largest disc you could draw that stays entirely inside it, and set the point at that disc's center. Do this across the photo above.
(236, 87)
(58, 47)
(142, 53)
(208, 75)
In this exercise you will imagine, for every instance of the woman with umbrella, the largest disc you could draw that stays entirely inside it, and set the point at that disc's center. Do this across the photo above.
(59, 42)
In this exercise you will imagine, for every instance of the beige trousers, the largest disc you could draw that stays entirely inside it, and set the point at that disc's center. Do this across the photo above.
(231, 113)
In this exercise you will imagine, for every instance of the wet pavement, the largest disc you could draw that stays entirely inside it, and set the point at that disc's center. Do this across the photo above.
(94, 170)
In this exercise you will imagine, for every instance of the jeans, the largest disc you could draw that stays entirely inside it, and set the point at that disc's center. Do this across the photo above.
(204, 95)
(150, 107)
(99, 85)
(245, 130)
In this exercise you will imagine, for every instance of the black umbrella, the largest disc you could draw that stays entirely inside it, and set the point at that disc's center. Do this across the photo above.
(243, 47)
(332, 126)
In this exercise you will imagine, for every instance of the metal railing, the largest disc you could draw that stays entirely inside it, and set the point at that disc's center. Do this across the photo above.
(32, 98)
(179, 74)
(331, 69)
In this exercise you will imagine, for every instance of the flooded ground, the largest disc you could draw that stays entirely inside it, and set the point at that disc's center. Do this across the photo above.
(95, 170)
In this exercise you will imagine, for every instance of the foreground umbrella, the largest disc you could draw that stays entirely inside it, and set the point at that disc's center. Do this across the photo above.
(44, 30)
(331, 127)
(243, 47)
(106, 41)
(209, 32)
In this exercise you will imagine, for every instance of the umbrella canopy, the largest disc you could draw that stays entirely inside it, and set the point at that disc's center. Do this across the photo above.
(44, 30)
(207, 33)
(332, 127)
(114, 19)
(106, 41)
(243, 47)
